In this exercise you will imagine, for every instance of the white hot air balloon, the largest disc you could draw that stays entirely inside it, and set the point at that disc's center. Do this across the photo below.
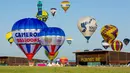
(53, 11)
(87, 26)
(105, 44)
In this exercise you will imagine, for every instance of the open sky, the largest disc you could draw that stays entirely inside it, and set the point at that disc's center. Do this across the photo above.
(116, 12)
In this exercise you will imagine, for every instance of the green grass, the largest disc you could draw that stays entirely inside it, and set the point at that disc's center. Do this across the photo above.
(23, 69)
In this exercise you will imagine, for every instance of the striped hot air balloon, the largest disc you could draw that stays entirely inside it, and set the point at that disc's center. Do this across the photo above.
(51, 57)
(65, 5)
(52, 39)
(117, 45)
(109, 33)
(25, 33)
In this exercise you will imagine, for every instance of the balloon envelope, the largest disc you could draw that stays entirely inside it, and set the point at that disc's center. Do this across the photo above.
(63, 60)
(39, 5)
(52, 39)
(109, 33)
(25, 34)
(69, 40)
(9, 37)
(116, 45)
(53, 11)
(105, 44)
(87, 26)
(65, 5)
(51, 57)
(126, 41)
(43, 17)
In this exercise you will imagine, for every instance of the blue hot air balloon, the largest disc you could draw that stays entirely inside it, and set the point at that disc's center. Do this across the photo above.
(126, 41)
(52, 39)
(25, 33)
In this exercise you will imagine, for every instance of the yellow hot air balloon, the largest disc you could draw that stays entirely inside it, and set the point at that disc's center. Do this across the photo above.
(43, 17)
(51, 57)
(69, 40)
(9, 37)
(65, 5)
(117, 45)
(109, 33)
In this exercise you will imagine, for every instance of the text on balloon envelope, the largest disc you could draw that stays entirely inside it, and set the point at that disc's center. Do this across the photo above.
(27, 40)
(26, 34)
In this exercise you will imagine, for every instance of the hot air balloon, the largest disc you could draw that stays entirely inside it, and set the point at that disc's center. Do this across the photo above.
(105, 44)
(39, 6)
(63, 60)
(51, 57)
(43, 17)
(53, 11)
(9, 37)
(25, 33)
(126, 41)
(65, 5)
(87, 26)
(52, 39)
(69, 40)
(109, 33)
(117, 45)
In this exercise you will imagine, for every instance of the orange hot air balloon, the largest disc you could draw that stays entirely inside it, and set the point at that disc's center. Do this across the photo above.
(109, 33)
(117, 45)
(63, 60)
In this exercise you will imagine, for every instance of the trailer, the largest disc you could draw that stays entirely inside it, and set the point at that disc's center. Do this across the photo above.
(102, 57)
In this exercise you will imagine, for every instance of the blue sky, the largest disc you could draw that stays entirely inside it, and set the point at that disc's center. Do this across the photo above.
(116, 12)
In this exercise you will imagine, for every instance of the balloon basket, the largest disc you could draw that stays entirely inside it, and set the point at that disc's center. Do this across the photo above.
(87, 41)
(10, 44)
(31, 63)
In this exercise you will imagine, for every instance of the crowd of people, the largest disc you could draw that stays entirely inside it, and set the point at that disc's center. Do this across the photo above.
(56, 64)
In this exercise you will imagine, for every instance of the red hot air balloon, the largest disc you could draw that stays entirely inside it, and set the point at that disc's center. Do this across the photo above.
(52, 38)
(25, 33)
(63, 60)
(117, 45)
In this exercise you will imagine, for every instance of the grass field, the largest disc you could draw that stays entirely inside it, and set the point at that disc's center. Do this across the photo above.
(23, 69)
